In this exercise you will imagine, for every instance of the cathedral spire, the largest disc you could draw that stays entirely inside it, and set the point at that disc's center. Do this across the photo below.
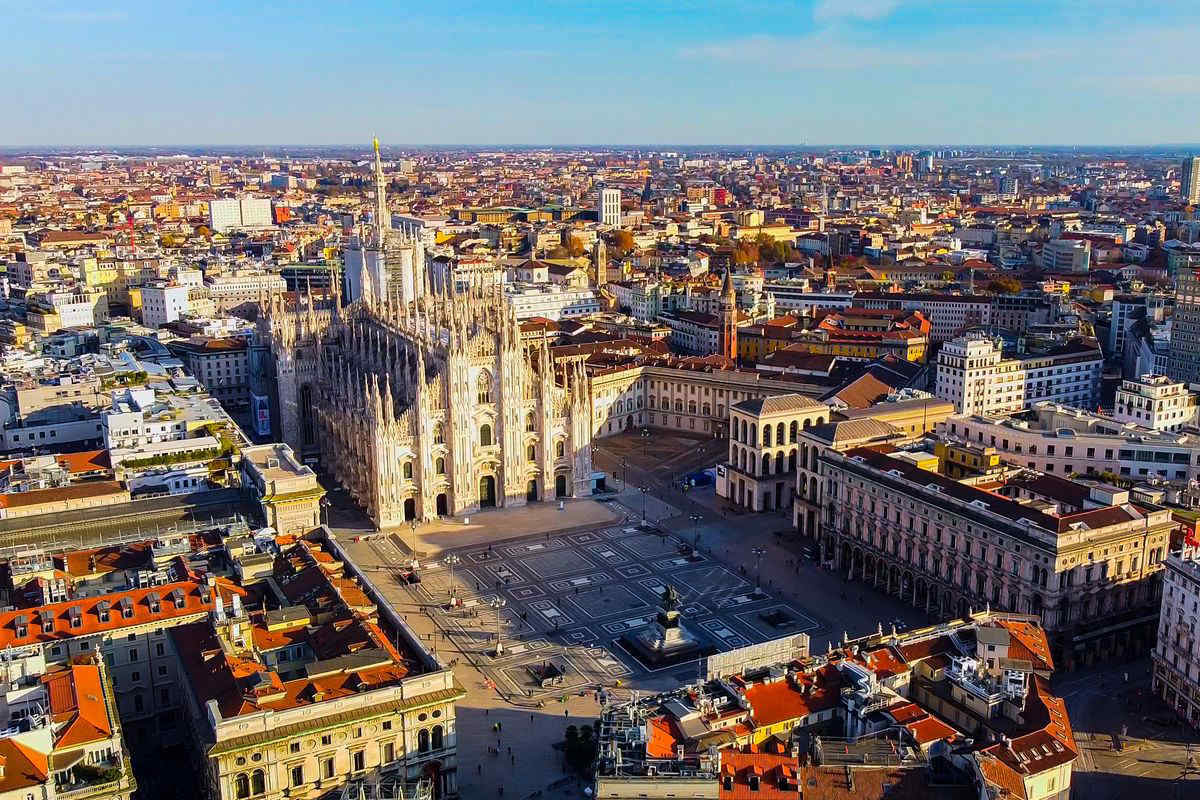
(383, 220)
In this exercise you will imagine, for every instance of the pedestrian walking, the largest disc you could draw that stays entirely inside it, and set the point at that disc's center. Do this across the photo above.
(514, 759)
(479, 768)
(499, 726)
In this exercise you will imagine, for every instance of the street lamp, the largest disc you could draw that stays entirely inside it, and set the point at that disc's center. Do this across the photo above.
(412, 526)
(644, 491)
(498, 603)
(645, 434)
(624, 473)
(695, 518)
(759, 552)
(451, 561)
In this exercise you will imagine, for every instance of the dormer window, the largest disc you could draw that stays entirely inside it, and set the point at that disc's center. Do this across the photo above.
(21, 624)
(754, 782)
(177, 598)
(76, 617)
(102, 611)
(728, 783)
(155, 602)
(47, 618)
(127, 608)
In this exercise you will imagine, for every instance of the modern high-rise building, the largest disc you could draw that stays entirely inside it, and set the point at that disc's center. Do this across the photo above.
(608, 206)
(1189, 180)
(1183, 361)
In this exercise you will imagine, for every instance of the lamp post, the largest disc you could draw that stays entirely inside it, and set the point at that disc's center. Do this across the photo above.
(624, 473)
(759, 552)
(498, 603)
(695, 518)
(451, 561)
(412, 526)
(645, 434)
(644, 492)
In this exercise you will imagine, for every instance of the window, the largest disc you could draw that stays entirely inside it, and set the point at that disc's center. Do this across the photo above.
(158, 649)
(298, 775)
(358, 761)
(294, 747)
(485, 435)
(437, 737)
(387, 725)
(484, 388)
(408, 470)
(327, 768)
(133, 654)
(438, 436)
(559, 448)
(326, 740)
(440, 466)
(241, 786)
(423, 741)
(388, 753)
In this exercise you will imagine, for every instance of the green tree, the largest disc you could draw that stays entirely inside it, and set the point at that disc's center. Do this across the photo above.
(1004, 285)
(621, 243)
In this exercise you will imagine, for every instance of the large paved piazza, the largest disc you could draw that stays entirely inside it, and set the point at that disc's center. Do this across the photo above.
(568, 598)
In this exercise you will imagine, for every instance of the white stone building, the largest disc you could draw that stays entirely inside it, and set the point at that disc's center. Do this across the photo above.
(1157, 402)
(1176, 654)
(975, 375)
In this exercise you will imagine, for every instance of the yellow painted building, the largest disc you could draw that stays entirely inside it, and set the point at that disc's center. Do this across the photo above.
(960, 460)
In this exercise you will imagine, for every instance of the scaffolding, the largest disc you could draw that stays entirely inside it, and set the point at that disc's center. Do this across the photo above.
(387, 787)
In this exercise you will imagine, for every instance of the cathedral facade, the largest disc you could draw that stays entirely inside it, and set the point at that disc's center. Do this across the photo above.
(424, 403)
(429, 409)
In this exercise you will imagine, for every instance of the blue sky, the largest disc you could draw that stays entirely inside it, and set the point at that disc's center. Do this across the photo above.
(600, 72)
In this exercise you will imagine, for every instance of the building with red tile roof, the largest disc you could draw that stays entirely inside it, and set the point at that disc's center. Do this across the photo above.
(951, 711)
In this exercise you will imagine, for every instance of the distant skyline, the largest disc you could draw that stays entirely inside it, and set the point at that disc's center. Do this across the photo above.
(557, 72)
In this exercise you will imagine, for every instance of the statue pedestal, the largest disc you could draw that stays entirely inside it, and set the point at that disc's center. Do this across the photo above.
(665, 641)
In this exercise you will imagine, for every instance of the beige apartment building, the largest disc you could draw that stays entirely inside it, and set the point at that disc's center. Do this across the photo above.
(1085, 559)
(764, 448)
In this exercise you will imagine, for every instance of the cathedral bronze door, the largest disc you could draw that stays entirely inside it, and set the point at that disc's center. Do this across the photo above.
(487, 491)
(442, 507)
(531, 493)
(410, 509)
(560, 485)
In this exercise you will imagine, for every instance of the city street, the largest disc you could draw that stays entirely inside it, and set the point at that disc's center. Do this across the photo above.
(1112, 706)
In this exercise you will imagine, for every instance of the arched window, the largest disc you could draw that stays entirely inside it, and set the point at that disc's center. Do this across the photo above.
(241, 786)
(779, 461)
(779, 433)
(529, 422)
(258, 782)
(794, 431)
(438, 437)
(408, 473)
(484, 388)
(485, 434)
(439, 466)
(560, 449)
(531, 453)
(766, 436)
(767, 464)
(423, 741)
(753, 464)
(753, 435)
(437, 737)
